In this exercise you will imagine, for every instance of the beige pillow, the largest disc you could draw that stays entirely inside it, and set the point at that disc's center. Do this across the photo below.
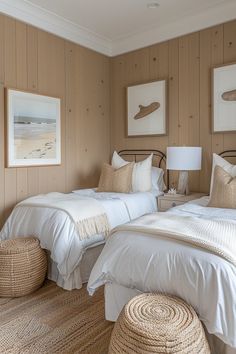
(142, 172)
(112, 180)
(223, 193)
(226, 165)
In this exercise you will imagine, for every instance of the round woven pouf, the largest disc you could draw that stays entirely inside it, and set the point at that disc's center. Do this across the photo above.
(23, 266)
(157, 323)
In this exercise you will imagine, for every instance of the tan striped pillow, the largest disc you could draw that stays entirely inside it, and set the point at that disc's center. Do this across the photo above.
(223, 193)
(112, 180)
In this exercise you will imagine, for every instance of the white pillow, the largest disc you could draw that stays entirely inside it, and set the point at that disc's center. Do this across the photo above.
(117, 161)
(141, 178)
(227, 166)
(158, 184)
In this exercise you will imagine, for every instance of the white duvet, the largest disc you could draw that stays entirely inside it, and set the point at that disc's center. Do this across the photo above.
(58, 233)
(149, 264)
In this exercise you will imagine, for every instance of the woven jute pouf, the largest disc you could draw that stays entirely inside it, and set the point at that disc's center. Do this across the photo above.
(23, 266)
(157, 323)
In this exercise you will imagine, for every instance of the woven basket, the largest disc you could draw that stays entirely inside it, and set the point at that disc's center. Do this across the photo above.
(23, 266)
(156, 323)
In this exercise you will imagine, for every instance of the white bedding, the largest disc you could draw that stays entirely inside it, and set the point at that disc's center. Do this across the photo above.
(58, 234)
(202, 279)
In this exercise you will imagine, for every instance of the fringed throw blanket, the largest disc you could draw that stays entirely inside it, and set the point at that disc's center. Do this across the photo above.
(216, 236)
(87, 213)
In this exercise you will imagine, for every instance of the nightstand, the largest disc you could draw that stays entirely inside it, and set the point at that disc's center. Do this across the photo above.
(168, 201)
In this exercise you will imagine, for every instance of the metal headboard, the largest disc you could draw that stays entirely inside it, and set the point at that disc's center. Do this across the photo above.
(145, 152)
(228, 153)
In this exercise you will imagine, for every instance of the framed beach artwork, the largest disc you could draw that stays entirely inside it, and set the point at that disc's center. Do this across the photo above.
(147, 109)
(224, 98)
(33, 125)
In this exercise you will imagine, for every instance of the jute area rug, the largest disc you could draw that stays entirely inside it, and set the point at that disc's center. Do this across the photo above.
(53, 320)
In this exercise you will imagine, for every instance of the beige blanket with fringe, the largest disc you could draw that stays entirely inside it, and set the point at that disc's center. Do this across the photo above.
(217, 236)
(87, 213)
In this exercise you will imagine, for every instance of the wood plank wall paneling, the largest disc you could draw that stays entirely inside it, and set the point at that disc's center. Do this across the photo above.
(43, 63)
(186, 62)
(91, 86)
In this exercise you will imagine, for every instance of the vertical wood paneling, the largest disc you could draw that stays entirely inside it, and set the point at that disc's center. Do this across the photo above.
(229, 56)
(118, 95)
(173, 136)
(159, 69)
(2, 146)
(34, 60)
(21, 56)
(2, 51)
(72, 96)
(51, 81)
(187, 61)
(173, 97)
(10, 81)
(230, 42)
(189, 133)
(93, 115)
(189, 90)
(205, 112)
(137, 70)
(217, 41)
(88, 86)
(21, 83)
(32, 85)
(2, 155)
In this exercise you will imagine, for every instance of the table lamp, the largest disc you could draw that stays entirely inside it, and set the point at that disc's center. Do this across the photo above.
(184, 159)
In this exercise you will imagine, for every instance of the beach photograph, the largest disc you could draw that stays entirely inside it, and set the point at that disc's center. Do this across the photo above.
(34, 127)
(35, 138)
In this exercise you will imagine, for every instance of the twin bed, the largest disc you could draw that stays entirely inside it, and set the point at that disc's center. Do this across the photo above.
(51, 218)
(135, 261)
(188, 251)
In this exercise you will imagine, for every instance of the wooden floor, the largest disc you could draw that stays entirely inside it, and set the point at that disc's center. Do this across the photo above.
(53, 320)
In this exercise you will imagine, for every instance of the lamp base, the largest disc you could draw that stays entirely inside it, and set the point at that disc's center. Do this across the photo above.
(183, 183)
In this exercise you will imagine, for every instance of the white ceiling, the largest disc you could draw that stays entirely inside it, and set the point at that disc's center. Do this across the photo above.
(113, 27)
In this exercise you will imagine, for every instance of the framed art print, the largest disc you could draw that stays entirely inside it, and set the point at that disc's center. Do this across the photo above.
(146, 109)
(33, 125)
(224, 99)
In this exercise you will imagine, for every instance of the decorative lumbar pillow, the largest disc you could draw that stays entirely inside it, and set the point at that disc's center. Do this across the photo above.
(116, 180)
(223, 193)
(227, 166)
(142, 172)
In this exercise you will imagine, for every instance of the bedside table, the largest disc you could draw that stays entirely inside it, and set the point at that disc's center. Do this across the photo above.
(168, 201)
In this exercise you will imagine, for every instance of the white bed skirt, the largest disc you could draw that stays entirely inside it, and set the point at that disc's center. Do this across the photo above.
(116, 296)
(81, 273)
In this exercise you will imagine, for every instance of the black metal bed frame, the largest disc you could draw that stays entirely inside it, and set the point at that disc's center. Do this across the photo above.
(145, 152)
(162, 156)
(228, 153)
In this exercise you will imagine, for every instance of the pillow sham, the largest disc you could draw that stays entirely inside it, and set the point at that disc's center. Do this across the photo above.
(223, 193)
(141, 176)
(158, 184)
(227, 166)
(116, 180)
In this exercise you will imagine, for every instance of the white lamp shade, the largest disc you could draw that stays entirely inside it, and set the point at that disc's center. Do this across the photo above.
(184, 158)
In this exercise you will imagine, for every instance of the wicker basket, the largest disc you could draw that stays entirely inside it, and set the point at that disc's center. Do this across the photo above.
(156, 323)
(23, 266)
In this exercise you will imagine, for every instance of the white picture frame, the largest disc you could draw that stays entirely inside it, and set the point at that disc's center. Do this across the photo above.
(147, 109)
(223, 104)
(33, 129)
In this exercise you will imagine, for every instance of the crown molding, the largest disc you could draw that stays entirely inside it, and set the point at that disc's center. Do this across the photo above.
(210, 17)
(52, 23)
